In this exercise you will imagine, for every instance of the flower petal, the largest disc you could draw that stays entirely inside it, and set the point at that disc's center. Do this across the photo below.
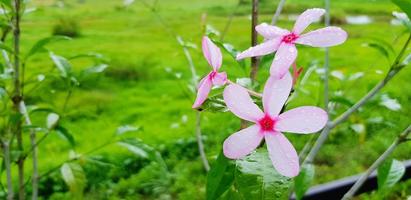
(305, 119)
(264, 48)
(240, 103)
(306, 18)
(324, 37)
(282, 154)
(242, 142)
(284, 58)
(220, 78)
(212, 53)
(276, 92)
(203, 90)
(269, 31)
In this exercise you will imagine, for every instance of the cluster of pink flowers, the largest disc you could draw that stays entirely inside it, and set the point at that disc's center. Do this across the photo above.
(269, 123)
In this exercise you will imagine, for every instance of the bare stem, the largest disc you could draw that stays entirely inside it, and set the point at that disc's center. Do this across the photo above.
(7, 163)
(277, 12)
(17, 97)
(33, 143)
(395, 68)
(400, 139)
(326, 58)
(254, 41)
(198, 116)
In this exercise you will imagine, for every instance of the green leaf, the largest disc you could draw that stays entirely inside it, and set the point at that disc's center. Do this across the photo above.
(5, 47)
(39, 46)
(256, 178)
(229, 48)
(389, 173)
(75, 178)
(126, 128)
(62, 64)
(405, 6)
(214, 104)
(65, 134)
(220, 177)
(94, 70)
(380, 48)
(136, 148)
(303, 181)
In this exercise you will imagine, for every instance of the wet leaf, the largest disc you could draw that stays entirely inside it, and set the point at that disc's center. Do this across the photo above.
(75, 178)
(220, 177)
(389, 173)
(405, 6)
(303, 181)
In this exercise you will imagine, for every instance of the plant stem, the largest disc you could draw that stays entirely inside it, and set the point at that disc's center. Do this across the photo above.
(198, 116)
(66, 100)
(277, 12)
(17, 97)
(395, 68)
(200, 142)
(254, 41)
(7, 163)
(230, 20)
(33, 143)
(400, 139)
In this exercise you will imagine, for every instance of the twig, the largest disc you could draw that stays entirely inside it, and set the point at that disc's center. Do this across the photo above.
(7, 162)
(254, 41)
(395, 68)
(326, 58)
(400, 139)
(230, 20)
(198, 116)
(277, 12)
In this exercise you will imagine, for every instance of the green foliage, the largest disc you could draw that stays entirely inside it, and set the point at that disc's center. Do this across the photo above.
(389, 173)
(304, 180)
(40, 46)
(73, 175)
(67, 26)
(220, 177)
(267, 183)
(405, 6)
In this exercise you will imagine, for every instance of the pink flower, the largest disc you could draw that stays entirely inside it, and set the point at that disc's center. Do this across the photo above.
(269, 124)
(213, 55)
(283, 41)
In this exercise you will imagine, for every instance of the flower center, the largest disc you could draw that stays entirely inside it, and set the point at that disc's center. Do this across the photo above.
(212, 75)
(267, 123)
(290, 38)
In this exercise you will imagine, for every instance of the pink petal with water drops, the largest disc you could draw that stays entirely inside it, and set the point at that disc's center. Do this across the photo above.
(220, 78)
(267, 47)
(212, 53)
(240, 103)
(270, 32)
(285, 56)
(242, 142)
(305, 119)
(324, 37)
(276, 93)
(203, 91)
(282, 154)
(306, 18)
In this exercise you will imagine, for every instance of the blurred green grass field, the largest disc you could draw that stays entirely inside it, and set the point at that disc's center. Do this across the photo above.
(137, 89)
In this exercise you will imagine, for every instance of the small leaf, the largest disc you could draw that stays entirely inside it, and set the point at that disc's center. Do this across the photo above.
(39, 46)
(405, 6)
(403, 19)
(389, 173)
(62, 64)
(126, 128)
(219, 178)
(256, 178)
(65, 134)
(94, 70)
(303, 181)
(136, 148)
(338, 74)
(52, 120)
(5, 47)
(390, 103)
(406, 60)
(74, 176)
(380, 48)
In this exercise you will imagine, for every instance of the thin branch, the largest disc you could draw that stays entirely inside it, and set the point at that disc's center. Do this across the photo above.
(400, 139)
(395, 68)
(7, 162)
(326, 58)
(277, 12)
(254, 40)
